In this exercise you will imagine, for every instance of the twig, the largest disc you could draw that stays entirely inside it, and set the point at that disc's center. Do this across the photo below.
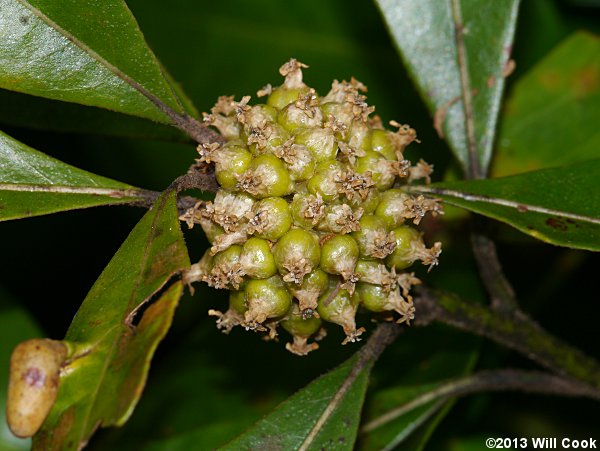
(147, 201)
(473, 170)
(492, 381)
(516, 331)
(199, 176)
(382, 336)
(498, 287)
(192, 127)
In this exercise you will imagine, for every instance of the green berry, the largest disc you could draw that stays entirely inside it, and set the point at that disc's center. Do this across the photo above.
(372, 297)
(305, 112)
(391, 207)
(324, 181)
(297, 325)
(382, 171)
(267, 139)
(226, 271)
(228, 257)
(257, 260)
(266, 298)
(296, 253)
(341, 112)
(298, 159)
(359, 136)
(231, 161)
(367, 205)
(340, 218)
(381, 142)
(339, 255)
(266, 176)
(406, 237)
(237, 301)
(378, 299)
(307, 210)
(375, 272)
(373, 239)
(270, 218)
(320, 142)
(365, 267)
(300, 329)
(283, 96)
(260, 114)
(309, 290)
(340, 308)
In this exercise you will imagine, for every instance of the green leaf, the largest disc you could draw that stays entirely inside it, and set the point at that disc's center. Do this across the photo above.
(557, 205)
(323, 415)
(406, 424)
(111, 350)
(92, 53)
(425, 33)
(16, 325)
(32, 184)
(403, 417)
(550, 117)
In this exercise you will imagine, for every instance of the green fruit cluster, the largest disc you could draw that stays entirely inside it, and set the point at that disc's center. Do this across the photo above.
(310, 223)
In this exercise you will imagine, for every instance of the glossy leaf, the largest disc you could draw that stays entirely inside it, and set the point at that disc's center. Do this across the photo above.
(92, 53)
(16, 325)
(297, 423)
(551, 115)
(415, 417)
(113, 336)
(425, 33)
(400, 429)
(558, 205)
(32, 184)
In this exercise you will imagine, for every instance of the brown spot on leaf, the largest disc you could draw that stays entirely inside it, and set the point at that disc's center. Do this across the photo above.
(162, 264)
(550, 80)
(586, 81)
(522, 208)
(557, 224)
(57, 438)
(24, 20)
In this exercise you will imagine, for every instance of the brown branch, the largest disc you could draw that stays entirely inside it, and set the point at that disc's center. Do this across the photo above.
(199, 176)
(502, 295)
(473, 169)
(537, 382)
(193, 128)
(147, 201)
(516, 331)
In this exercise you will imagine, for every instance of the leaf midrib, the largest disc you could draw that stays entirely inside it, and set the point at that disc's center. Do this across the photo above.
(470, 197)
(96, 56)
